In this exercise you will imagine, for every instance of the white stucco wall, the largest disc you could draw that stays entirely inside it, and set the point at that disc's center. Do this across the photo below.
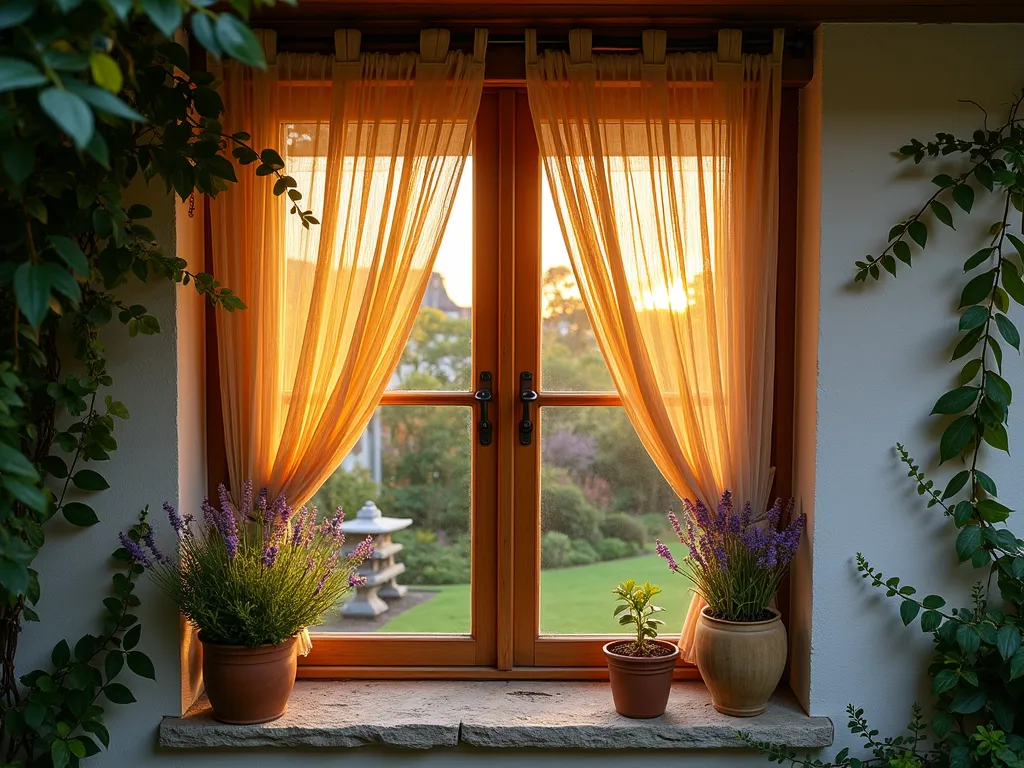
(871, 363)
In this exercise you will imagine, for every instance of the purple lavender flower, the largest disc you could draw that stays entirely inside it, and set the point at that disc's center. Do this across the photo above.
(182, 525)
(298, 525)
(137, 552)
(320, 584)
(355, 580)
(270, 555)
(247, 500)
(150, 541)
(261, 503)
(364, 549)
(664, 552)
(674, 521)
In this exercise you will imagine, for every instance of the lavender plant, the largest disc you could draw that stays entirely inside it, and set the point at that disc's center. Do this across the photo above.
(736, 560)
(253, 574)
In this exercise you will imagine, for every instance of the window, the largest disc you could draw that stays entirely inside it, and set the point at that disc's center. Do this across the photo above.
(514, 548)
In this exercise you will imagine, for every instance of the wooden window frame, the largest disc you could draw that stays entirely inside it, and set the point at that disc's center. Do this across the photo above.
(505, 528)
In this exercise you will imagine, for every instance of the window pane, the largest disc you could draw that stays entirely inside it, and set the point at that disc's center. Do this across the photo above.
(437, 355)
(414, 463)
(603, 503)
(570, 358)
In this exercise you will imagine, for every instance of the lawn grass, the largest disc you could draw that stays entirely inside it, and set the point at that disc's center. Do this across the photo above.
(573, 600)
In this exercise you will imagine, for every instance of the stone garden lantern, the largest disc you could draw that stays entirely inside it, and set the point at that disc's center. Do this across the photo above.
(381, 571)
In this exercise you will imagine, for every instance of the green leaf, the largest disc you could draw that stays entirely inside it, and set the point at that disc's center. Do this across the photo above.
(930, 621)
(140, 664)
(79, 514)
(956, 484)
(986, 482)
(968, 540)
(933, 602)
(1012, 282)
(99, 730)
(203, 29)
(15, 12)
(131, 637)
(113, 663)
(88, 480)
(32, 290)
(908, 612)
(72, 255)
(1008, 331)
(62, 282)
(1017, 664)
(104, 101)
(1008, 641)
(165, 14)
(118, 694)
(968, 638)
(61, 654)
(970, 370)
(968, 342)
(997, 389)
(963, 195)
(956, 437)
(942, 213)
(978, 259)
(207, 102)
(27, 494)
(960, 757)
(918, 233)
(968, 702)
(943, 181)
(945, 680)
(105, 72)
(35, 713)
(997, 438)
(1018, 244)
(956, 401)
(272, 159)
(19, 159)
(16, 74)
(992, 511)
(14, 462)
(238, 41)
(77, 748)
(978, 289)
(59, 753)
(984, 175)
(70, 112)
(974, 317)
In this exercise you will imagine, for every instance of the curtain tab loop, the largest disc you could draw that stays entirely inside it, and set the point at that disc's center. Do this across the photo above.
(655, 43)
(434, 45)
(778, 45)
(531, 46)
(730, 46)
(346, 45)
(581, 42)
(268, 42)
(479, 45)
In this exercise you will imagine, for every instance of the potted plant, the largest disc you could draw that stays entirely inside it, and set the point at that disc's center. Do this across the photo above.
(252, 578)
(640, 670)
(736, 562)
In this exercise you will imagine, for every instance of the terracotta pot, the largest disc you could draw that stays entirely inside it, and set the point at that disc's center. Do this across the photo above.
(640, 686)
(741, 661)
(248, 685)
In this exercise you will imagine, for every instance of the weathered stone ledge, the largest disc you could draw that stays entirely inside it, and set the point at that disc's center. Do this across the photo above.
(519, 714)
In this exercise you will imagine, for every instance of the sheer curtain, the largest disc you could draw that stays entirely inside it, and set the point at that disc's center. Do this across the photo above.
(377, 144)
(664, 172)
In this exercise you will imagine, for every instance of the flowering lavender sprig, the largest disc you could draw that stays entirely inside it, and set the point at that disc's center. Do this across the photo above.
(135, 550)
(735, 560)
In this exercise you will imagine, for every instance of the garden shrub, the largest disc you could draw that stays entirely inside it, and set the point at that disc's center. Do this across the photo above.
(612, 548)
(554, 548)
(430, 562)
(625, 527)
(581, 553)
(565, 509)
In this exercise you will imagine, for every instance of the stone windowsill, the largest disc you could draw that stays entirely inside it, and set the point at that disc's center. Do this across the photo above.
(426, 714)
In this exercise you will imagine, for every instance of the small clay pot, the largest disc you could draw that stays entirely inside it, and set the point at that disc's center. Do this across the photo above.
(641, 684)
(248, 685)
(741, 661)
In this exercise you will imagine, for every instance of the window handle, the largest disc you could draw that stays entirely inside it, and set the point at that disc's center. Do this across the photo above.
(485, 429)
(527, 395)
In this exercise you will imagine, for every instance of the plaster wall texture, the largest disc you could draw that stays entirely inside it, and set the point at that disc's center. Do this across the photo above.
(872, 360)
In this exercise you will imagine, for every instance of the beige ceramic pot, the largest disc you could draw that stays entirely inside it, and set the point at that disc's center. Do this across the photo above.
(741, 662)
(249, 685)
